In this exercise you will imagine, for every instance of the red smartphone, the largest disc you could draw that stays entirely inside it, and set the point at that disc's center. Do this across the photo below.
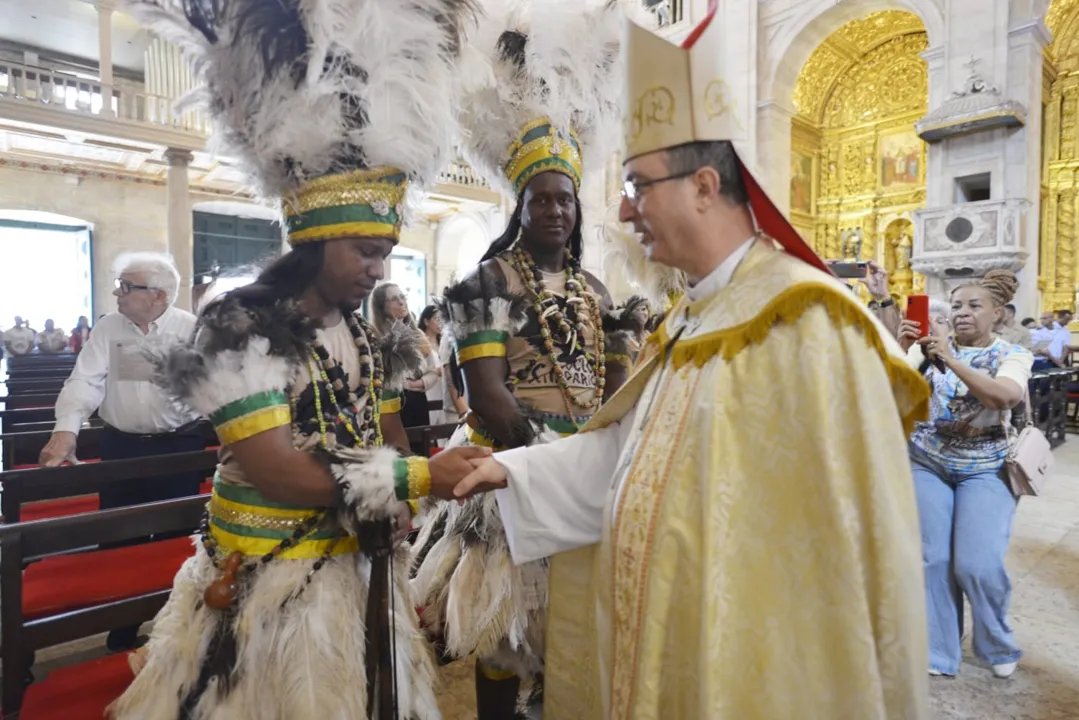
(918, 311)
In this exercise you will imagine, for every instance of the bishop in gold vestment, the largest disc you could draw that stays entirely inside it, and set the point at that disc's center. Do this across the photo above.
(758, 551)
(734, 535)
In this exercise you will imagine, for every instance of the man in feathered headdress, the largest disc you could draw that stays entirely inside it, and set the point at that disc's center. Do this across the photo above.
(335, 109)
(734, 535)
(528, 325)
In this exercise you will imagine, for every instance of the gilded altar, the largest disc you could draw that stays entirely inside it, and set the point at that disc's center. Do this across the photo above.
(1057, 273)
(857, 165)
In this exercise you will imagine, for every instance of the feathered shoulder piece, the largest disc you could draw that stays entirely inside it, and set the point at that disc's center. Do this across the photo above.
(238, 350)
(481, 303)
(541, 89)
(330, 107)
(403, 354)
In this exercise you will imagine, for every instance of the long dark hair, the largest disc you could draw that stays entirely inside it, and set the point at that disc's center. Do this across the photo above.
(505, 241)
(286, 278)
(378, 308)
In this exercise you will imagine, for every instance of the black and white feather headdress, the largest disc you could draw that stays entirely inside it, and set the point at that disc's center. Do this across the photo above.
(541, 89)
(300, 90)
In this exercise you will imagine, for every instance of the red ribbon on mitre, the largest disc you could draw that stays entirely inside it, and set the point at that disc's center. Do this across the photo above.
(770, 220)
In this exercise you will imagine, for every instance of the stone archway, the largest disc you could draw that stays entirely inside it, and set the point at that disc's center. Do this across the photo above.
(788, 46)
(461, 241)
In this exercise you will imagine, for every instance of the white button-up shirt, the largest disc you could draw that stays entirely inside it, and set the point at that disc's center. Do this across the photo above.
(113, 377)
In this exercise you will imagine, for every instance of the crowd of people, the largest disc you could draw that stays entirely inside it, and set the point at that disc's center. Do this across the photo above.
(21, 339)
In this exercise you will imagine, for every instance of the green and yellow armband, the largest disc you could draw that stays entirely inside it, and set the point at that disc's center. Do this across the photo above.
(251, 415)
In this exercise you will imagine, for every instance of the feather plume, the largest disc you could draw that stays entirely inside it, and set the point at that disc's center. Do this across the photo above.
(403, 354)
(379, 76)
(536, 58)
(655, 281)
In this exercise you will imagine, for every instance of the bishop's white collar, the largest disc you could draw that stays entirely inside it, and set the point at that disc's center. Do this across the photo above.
(721, 276)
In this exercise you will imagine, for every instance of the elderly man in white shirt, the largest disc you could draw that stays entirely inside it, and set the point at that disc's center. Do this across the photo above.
(20, 340)
(113, 377)
(1050, 343)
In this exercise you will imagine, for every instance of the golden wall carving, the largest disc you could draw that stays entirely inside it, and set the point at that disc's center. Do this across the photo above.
(1058, 272)
(857, 166)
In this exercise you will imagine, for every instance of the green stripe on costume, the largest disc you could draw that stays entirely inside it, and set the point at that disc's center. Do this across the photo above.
(248, 405)
(483, 337)
(266, 533)
(251, 496)
(340, 215)
(544, 131)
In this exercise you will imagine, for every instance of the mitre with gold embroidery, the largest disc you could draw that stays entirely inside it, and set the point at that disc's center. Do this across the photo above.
(677, 95)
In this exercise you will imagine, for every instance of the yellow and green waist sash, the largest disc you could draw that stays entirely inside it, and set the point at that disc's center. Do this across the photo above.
(243, 520)
(561, 424)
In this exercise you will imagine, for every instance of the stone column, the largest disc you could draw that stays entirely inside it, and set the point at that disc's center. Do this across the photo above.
(774, 151)
(104, 40)
(180, 231)
(1023, 152)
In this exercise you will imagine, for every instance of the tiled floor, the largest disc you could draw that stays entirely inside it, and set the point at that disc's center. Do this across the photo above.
(1044, 564)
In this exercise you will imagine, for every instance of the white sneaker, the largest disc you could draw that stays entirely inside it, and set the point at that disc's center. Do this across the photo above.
(935, 673)
(1005, 670)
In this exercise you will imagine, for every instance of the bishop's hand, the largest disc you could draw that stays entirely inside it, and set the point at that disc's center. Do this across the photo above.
(451, 466)
(488, 475)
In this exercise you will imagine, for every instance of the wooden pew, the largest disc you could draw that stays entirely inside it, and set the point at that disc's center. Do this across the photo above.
(58, 374)
(24, 387)
(74, 481)
(423, 440)
(1049, 403)
(24, 448)
(17, 401)
(54, 541)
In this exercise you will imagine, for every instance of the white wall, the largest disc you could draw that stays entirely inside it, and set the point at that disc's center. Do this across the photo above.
(125, 216)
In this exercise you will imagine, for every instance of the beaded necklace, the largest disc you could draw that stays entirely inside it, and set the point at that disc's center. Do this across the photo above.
(321, 367)
(567, 329)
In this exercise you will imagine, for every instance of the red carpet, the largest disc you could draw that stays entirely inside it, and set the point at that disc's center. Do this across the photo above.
(80, 692)
(69, 582)
(65, 507)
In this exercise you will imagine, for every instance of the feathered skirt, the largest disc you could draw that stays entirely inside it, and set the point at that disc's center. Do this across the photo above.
(470, 591)
(298, 656)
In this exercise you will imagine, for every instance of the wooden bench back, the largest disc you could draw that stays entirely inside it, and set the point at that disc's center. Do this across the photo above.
(25, 542)
(23, 447)
(19, 400)
(24, 486)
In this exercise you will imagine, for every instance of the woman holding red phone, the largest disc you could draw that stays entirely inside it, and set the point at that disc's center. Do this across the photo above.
(965, 506)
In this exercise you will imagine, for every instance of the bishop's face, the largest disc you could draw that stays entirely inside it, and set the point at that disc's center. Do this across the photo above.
(660, 206)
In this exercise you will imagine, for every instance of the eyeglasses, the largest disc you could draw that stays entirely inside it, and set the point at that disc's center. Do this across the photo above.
(125, 287)
(631, 189)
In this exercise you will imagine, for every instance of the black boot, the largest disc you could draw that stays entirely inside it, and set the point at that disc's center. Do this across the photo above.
(496, 698)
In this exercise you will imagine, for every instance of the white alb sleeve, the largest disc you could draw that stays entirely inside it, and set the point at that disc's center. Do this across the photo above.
(556, 492)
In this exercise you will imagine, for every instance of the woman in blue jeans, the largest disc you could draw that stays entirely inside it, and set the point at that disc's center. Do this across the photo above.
(965, 505)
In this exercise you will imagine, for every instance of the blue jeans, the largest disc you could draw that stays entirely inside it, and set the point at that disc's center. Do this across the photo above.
(966, 524)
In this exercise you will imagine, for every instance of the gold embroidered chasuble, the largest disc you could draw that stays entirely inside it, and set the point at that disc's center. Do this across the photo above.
(761, 557)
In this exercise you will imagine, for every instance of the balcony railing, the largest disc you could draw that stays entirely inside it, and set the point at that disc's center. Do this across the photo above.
(67, 92)
(666, 12)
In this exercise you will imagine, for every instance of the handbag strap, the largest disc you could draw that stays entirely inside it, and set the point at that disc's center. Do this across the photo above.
(1028, 415)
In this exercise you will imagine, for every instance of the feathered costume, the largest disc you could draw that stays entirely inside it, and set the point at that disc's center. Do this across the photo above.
(544, 92)
(334, 109)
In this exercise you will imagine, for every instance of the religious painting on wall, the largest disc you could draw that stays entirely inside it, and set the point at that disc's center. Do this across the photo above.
(801, 183)
(900, 159)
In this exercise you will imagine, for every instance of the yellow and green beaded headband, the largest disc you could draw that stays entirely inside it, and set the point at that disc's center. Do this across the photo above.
(359, 203)
(540, 147)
